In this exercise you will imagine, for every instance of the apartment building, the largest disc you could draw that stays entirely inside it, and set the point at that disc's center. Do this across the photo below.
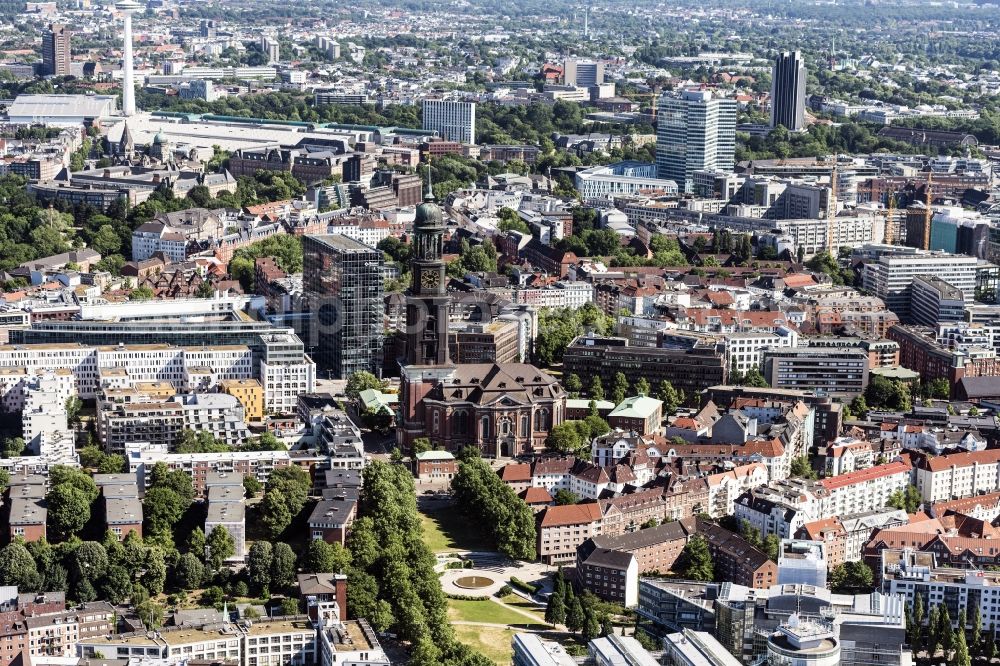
(331, 519)
(450, 120)
(736, 560)
(562, 528)
(250, 393)
(610, 566)
(258, 464)
(908, 572)
(957, 475)
(845, 536)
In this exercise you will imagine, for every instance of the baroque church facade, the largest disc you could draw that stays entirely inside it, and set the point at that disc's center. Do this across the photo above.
(505, 409)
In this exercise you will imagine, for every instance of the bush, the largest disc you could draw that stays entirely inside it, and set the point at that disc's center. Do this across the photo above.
(463, 597)
(524, 587)
(468, 564)
(505, 590)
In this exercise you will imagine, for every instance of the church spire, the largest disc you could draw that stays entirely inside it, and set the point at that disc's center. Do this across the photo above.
(429, 193)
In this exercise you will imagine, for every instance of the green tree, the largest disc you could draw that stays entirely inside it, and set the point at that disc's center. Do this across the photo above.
(619, 388)
(274, 512)
(596, 389)
(908, 500)
(162, 508)
(642, 387)
(13, 447)
(591, 627)
(572, 384)
(771, 546)
(421, 444)
(564, 438)
(961, 655)
(220, 546)
(282, 566)
(68, 510)
(17, 568)
(251, 486)
(555, 610)
(668, 395)
(564, 496)
(196, 542)
(323, 557)
(696, 560)
(574, 616)
(852, 577)
(189, 573)
(360, 381)
(478, 488)
(259, 559)
(939, 388)
(801, 468)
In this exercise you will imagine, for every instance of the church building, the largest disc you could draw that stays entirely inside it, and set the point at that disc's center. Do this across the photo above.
(506, 409)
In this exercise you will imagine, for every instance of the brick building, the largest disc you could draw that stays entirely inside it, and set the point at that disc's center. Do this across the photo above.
(610, 566)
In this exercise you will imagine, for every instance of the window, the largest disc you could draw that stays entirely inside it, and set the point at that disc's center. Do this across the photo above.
(484, 427)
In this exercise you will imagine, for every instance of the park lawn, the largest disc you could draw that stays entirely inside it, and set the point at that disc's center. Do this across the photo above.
(525, 605)
(488, 612)
(447, 530)
(491, 642)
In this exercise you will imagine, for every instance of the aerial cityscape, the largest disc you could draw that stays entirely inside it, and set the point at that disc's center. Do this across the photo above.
(518, 333)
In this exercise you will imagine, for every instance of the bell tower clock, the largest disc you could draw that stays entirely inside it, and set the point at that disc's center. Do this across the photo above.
(427, 361)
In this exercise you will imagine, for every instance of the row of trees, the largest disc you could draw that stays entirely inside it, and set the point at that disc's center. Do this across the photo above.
(606, 243)
(490, 501)
(391, 575)
(958, 643)
(581, 613)
(120, 572)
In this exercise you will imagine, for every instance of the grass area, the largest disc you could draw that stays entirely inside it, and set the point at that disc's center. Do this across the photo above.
(491, 642)
(486, 611)
(446, 530)
(524, 605)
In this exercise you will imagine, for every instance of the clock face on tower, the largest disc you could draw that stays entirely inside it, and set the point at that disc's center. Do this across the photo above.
(430, 279)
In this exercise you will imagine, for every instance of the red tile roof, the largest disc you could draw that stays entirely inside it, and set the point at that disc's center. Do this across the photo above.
(571, 514)
(864, 475)
(964, 459)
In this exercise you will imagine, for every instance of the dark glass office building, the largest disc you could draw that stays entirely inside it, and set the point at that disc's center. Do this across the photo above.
(344, 281)
(788, 91)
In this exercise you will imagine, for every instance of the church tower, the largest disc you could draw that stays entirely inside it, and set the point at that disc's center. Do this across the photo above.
(427, 361)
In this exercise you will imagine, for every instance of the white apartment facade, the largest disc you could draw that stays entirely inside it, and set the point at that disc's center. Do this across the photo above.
(452, 120)
(958, 475)
(745, 351)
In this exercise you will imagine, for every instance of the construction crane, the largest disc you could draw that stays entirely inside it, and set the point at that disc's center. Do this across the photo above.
(927, 213)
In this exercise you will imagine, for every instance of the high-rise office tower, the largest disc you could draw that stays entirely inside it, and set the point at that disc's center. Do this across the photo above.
(271, 48)
(56, 50)
(788, 91)
(582, 73)
(345, 286)
(454, 121)
(695, 131)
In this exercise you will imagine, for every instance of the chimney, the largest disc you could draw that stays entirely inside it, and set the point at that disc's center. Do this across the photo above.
(341, 584)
